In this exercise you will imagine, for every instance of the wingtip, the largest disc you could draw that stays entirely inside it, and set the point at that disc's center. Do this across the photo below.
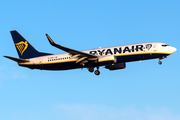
(50, 40)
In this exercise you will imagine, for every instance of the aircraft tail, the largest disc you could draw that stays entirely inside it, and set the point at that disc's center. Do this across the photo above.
(24, 48)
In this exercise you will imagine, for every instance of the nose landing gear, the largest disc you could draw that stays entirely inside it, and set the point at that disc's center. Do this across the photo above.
(160, 62)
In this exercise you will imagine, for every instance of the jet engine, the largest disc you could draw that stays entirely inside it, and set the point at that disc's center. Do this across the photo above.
(116, 66)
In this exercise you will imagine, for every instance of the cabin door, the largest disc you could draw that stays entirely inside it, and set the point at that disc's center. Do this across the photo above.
(154, 47)
(41, 63)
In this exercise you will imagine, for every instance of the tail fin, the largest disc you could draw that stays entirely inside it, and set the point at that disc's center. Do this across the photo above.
(24, 48)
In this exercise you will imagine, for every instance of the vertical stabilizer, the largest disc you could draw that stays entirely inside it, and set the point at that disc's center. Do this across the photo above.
(24, 48)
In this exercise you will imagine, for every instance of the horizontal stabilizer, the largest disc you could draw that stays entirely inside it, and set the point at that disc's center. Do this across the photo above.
(17, 59)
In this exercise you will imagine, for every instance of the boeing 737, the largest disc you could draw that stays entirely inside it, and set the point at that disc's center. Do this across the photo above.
(113, 58)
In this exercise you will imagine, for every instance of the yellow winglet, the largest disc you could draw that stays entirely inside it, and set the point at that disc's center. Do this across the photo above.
(50, 40)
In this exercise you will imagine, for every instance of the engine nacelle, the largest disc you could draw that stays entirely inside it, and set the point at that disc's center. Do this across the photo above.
(116, 66)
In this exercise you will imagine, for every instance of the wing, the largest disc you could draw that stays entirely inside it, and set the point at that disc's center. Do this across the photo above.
(81, 56)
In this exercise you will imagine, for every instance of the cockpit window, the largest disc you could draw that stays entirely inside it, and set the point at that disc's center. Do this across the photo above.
(165, 45)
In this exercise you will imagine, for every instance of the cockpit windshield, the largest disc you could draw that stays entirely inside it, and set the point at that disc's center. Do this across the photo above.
(165, 45)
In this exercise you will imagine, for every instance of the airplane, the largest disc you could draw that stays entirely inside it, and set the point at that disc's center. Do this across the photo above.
(113, 58)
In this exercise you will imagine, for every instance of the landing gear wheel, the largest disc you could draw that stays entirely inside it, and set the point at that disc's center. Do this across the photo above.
(97, 72)
(160, 62)
(91, 69)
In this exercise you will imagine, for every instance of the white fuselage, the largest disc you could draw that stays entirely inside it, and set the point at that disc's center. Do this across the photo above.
(155, 48)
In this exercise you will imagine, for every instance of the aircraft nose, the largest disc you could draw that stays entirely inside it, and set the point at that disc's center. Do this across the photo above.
(173, 49)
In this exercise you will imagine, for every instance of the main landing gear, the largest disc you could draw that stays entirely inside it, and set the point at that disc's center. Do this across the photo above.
(91, 69)
(97, 72)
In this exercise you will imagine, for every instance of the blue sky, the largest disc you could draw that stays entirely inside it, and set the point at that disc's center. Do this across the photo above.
(144, 90)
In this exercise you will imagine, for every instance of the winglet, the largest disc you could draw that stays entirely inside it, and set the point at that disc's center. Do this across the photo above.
(71, 51)
(50, 40)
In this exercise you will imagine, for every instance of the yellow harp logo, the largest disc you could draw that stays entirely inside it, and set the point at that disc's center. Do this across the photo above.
(22, 46)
